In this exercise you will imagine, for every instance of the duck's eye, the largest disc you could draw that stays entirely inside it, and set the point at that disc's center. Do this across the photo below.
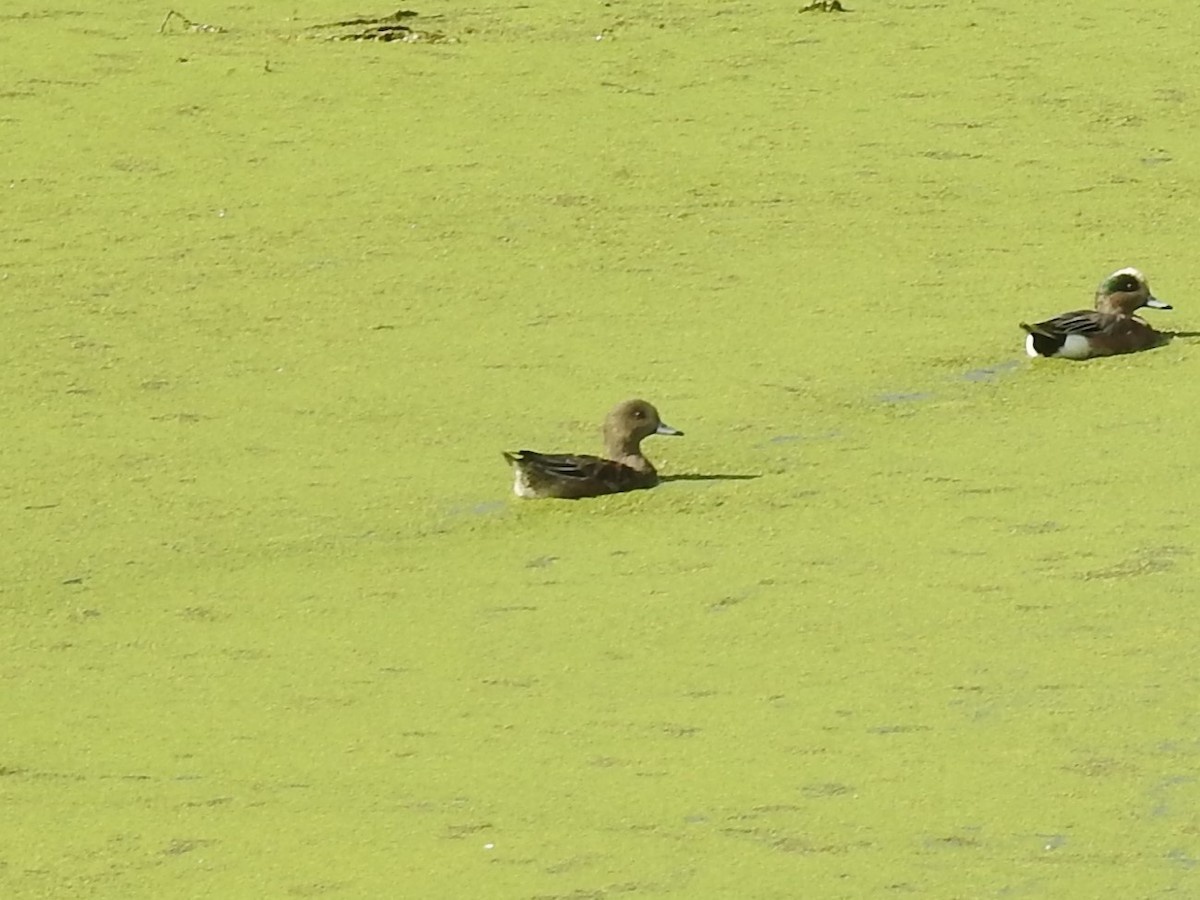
(639, 414)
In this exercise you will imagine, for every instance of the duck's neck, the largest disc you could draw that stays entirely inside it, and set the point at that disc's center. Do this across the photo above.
(1116, 306)
(628, 453)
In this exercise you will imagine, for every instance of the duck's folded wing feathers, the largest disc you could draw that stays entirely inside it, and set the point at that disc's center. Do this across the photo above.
(580, 476)
(563, 465)
(1082, 321)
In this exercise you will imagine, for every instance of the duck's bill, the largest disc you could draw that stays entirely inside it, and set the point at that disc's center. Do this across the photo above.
(1155, 303)
(664, 428)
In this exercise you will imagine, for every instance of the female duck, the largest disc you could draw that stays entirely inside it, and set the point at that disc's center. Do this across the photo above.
(1108, 329)
(624, 467)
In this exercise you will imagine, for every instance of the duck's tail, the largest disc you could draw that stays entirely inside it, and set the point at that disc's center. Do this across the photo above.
(1042, 341)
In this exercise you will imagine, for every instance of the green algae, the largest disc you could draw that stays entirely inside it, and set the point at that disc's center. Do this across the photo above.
(273, 626)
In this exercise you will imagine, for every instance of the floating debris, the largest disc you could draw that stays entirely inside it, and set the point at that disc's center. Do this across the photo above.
(187, 24)
(363, 20)
(384, 29)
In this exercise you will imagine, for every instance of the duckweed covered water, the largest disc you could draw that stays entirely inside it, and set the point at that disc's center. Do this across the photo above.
(273, 626)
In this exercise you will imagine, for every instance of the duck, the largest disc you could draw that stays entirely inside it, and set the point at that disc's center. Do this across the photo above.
(1109, 329)
(623, 467)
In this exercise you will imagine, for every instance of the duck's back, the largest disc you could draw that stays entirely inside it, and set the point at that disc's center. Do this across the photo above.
(571, 477)
(1084, 333)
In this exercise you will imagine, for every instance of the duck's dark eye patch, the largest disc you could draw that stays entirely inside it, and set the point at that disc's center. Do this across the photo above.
(1125, 283)
(639, 414)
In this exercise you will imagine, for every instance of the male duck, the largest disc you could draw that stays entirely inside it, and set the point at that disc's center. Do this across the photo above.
(1108, 329)
(624, 468)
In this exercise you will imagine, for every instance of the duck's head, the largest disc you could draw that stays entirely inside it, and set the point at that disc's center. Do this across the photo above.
(1125, 291)
(633, 420)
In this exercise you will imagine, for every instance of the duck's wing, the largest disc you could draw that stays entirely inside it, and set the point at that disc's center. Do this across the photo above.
(559, 465)
(1080, 321)
(573, 476)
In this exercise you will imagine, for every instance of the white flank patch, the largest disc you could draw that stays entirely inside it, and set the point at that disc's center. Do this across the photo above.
(1076, 347)
(520, 484)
